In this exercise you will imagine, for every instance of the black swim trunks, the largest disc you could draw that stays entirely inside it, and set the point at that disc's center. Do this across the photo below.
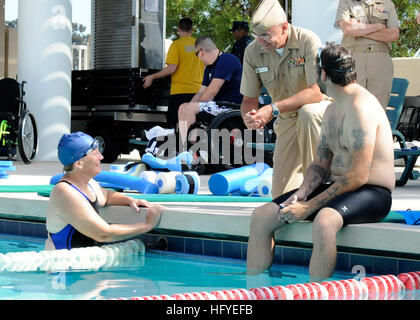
(369, 203)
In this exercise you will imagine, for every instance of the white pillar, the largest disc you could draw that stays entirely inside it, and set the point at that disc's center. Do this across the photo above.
(45, 62)
(318, 16)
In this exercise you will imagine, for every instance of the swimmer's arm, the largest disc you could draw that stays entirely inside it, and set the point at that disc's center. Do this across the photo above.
(83, 218)
(362, 138)
(114, 198)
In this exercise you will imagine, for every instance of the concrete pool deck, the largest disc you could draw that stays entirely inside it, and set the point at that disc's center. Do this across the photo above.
(213, 220)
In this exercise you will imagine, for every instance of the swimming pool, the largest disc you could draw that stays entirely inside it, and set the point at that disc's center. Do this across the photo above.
(156, 273)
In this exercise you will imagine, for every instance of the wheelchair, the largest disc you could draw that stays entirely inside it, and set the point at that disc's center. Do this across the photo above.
(231, 120)
(18, 128)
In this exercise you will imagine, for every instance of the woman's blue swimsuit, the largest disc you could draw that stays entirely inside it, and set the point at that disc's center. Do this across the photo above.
(69, 237)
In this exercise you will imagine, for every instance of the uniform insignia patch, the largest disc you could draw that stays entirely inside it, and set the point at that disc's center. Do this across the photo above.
(296, 62)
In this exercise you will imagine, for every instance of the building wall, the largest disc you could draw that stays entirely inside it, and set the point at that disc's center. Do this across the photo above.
(318, 16)
(408, 68)
(11, 44)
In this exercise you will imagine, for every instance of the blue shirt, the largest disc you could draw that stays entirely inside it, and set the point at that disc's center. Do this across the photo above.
(229, 68)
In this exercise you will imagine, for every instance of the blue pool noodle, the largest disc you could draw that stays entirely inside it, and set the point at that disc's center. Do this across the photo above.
(57, 177)
(120, 181)
(126, 180)
(223, 183)
(183, 185)
(12, 168)
(6, 166)
(173, 164)
(3, 174)
(250, 186)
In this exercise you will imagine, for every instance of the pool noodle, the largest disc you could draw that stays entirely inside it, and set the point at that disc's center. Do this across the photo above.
(265, 187)
(223, 183)
(56, 178)
(120, 181)
(250, 186)
(185, 181)
(7, 168)
(173, 164)
(165, 181)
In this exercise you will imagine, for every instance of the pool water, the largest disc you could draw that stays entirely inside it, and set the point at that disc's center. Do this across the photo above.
(156, 273)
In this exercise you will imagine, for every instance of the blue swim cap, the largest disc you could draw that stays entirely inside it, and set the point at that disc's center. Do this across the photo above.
(74, 146)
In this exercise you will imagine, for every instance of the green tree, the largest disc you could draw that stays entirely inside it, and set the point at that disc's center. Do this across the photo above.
(79, 36)
(409, 40)
(215, 17)
(11, 23)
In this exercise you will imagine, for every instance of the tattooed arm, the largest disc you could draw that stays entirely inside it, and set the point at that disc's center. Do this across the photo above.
(363, 143)
(362, 140)
(318, 171)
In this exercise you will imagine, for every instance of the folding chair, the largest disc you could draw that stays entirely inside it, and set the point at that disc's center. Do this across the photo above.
(395, 107)
(394, 111)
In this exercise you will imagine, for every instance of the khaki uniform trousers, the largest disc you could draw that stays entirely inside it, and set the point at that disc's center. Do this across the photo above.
(375, 72)
(296, 144)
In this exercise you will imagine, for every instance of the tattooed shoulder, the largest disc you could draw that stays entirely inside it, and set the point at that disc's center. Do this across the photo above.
(323, 151)
(359, 137)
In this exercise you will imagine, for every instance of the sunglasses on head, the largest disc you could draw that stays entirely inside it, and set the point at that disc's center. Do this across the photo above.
(197, 52)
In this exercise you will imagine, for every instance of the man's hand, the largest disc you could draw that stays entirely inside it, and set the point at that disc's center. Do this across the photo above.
(294, 208)
(299, 195)
(294, 212)
(147, 81)
(252, 120)
(257, 119)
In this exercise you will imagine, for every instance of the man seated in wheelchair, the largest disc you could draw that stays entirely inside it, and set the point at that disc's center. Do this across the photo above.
(221, 82)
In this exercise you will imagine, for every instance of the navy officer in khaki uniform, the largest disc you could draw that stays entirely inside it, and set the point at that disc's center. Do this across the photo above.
(369, 27)
(283, 58)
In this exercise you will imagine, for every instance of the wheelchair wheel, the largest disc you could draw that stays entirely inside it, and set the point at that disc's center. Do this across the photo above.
(27, 137)
(230, 121)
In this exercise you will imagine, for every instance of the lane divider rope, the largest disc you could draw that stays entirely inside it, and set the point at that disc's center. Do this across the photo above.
(385, 287)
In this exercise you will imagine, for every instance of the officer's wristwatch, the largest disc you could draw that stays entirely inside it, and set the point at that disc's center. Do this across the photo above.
(275, 111)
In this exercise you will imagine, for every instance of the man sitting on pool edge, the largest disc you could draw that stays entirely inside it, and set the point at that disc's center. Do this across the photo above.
(349, 181)
(73, 209)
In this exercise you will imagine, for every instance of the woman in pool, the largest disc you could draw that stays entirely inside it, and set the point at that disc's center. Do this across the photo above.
(73, 210)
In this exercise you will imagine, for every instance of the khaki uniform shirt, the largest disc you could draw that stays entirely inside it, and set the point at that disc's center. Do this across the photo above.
(373, 11)
(285, 75)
